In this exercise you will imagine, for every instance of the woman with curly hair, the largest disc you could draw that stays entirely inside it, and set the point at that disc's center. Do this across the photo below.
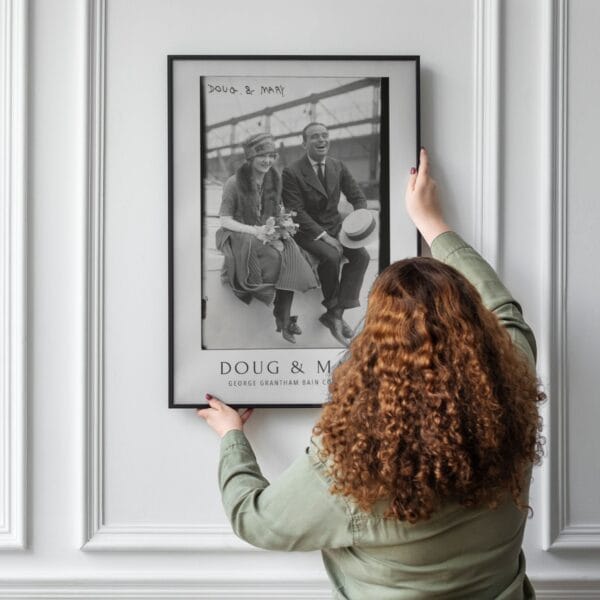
(416, 483)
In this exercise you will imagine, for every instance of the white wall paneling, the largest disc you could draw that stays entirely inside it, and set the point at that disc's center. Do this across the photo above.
(488, 95)
(13, 269)
(97, 534)
(560, 533)
(265, 588)
(500, 79)
(93, 424)
(552, 336)
(102, 536)
(217, 588)
(571, 589)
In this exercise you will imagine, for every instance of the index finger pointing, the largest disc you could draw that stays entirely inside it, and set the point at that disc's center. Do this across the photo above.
(423, 164)
(246, 414)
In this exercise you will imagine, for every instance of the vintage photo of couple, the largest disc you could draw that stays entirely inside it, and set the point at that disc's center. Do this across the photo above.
(294, 239)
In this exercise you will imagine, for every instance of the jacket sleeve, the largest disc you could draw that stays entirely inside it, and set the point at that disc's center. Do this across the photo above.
(231, 224)
(296, 512)
(351, 189)
(229, 198)
(293, 200)
(454, 251)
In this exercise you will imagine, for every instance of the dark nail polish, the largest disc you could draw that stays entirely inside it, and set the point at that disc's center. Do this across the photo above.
(208, 396)
(413, 171)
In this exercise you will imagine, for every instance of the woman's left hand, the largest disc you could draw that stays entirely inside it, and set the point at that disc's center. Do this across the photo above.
(223, 418)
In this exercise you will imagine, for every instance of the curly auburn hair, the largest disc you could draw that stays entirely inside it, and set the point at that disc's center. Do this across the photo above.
(433, 401)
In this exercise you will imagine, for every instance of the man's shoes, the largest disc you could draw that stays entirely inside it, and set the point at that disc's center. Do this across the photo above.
(334, 324)
(347, 331)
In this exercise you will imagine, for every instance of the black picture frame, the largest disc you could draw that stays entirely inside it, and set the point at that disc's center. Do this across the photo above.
(188, 72)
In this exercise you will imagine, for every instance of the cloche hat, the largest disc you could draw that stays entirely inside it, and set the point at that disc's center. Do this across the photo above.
(258, 144)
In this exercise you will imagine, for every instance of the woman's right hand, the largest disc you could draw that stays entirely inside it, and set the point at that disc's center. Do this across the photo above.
(422, 203)
(259, 230)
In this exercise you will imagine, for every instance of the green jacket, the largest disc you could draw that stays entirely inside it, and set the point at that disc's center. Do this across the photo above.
(458, 553)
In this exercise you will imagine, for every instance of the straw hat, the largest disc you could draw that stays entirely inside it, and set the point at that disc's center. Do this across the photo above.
(359, 229)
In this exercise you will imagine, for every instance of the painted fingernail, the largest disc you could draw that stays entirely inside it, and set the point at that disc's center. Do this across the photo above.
(413, 171)
(208, 396)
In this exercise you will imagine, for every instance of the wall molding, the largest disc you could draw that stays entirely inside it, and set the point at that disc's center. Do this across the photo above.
(13, 273)
(93, 413)
(488, 141)
(577, 537)
(160, 538)
(559, 533)
(98, 536)
(553, 187)
(567, 589)
(222, 588)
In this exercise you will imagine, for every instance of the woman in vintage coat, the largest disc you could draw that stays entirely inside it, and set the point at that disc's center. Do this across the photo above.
(256, 266)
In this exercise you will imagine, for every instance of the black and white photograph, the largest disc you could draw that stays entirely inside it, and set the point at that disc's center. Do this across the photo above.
(291, 209)
(280, 203)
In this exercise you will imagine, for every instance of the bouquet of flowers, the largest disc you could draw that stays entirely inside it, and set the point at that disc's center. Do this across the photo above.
(278, 228)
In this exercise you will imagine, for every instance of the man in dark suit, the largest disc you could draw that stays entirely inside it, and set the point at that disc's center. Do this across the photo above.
(311, 188)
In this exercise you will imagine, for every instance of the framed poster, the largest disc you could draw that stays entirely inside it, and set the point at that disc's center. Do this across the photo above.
(286, 193)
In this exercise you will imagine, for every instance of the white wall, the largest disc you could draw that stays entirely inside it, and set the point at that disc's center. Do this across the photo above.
(509, 97)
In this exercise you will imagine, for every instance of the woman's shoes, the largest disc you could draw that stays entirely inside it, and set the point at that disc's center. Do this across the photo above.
(293, 326)
(289, 329)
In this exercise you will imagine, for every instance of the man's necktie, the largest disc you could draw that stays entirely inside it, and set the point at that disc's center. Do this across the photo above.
(321, 174)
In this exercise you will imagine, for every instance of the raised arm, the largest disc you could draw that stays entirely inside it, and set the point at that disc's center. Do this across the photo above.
(296, 512)
(422, 204)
